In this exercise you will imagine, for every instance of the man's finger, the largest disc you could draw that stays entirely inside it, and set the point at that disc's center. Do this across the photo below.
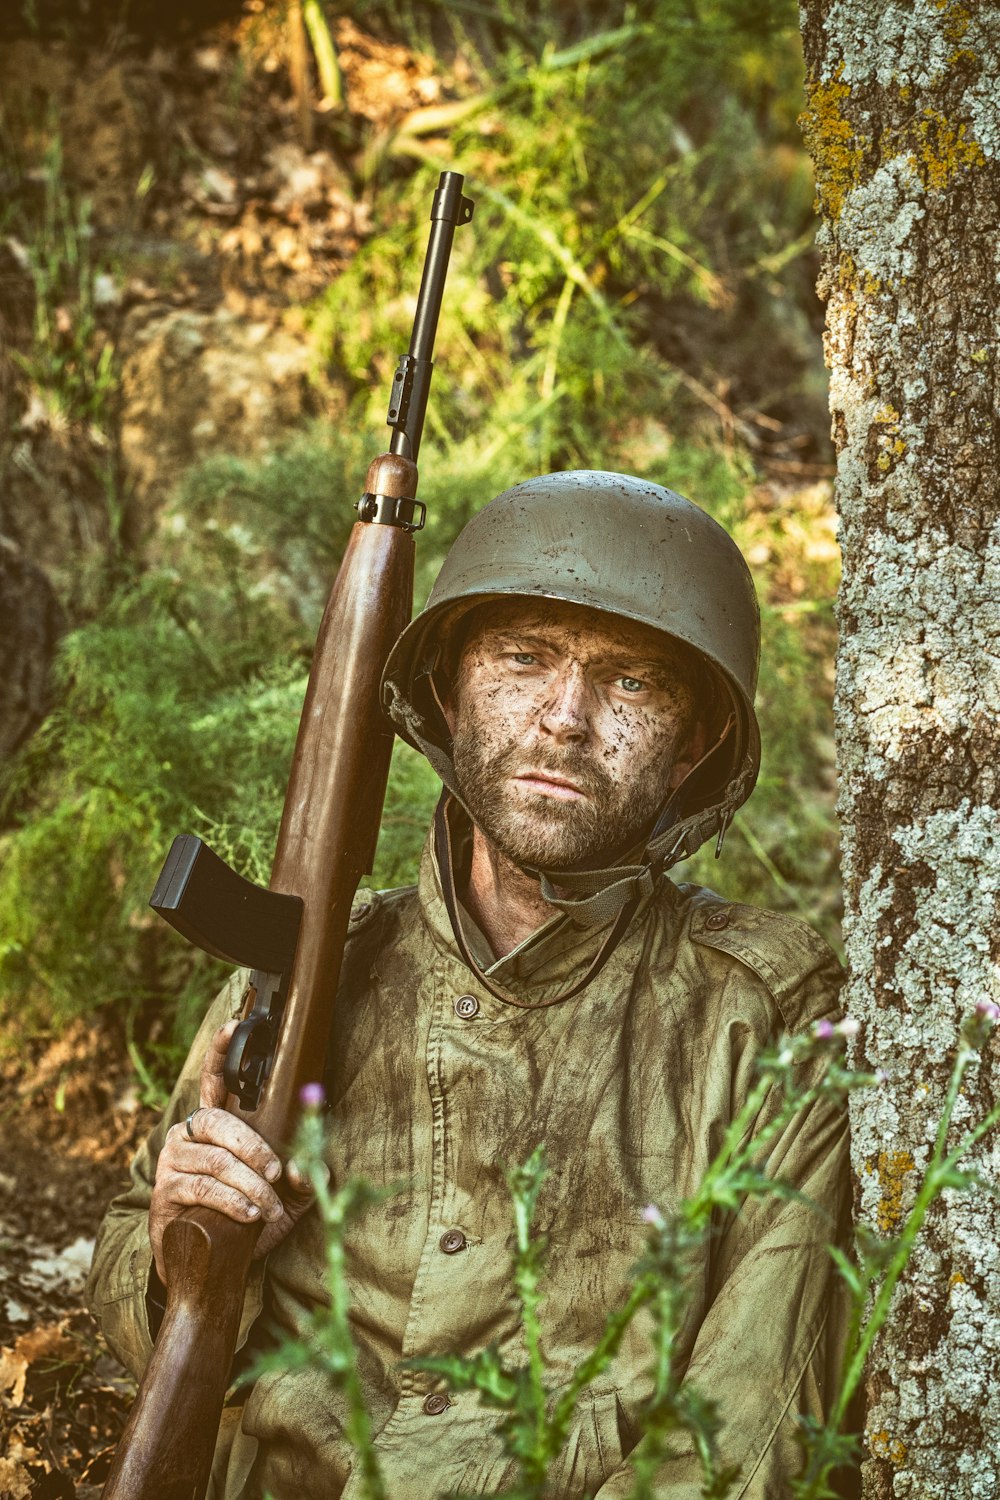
(297, 1184)
(218, 1163)
(212, 1084)
(187, 1190)
(212, 1126)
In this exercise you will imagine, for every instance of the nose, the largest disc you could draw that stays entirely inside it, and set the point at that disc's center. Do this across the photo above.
(565, 715)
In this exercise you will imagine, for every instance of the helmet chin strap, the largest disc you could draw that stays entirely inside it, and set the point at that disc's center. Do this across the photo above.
(668, 816)
(596, 896)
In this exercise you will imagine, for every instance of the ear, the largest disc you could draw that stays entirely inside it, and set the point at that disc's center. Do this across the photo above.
(690, 752)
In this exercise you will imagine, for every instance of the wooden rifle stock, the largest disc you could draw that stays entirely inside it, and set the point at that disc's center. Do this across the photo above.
(329, 828)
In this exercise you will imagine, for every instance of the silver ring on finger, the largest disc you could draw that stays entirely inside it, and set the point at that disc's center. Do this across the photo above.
(187, 1122)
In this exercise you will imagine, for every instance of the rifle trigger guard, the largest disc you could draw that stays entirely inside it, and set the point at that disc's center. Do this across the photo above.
(251, 1050)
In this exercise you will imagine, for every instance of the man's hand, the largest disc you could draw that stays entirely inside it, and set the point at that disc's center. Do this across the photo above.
(227, 1166)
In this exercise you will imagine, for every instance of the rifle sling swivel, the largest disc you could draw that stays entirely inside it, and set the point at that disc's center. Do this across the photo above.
(392, 510)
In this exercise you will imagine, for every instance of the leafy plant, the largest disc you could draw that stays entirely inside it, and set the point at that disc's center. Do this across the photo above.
(623, 164)
(71, 358)
(872, 1276)
(536, 1418)
(329, 1346)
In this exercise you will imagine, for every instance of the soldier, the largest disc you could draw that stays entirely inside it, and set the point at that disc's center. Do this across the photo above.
(582, 680)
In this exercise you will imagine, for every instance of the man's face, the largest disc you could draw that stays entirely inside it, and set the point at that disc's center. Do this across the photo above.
(570, 729)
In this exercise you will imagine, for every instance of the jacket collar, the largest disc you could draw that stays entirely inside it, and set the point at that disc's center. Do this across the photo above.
(551, 957)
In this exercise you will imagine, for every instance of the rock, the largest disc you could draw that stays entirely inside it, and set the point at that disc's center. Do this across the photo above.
(66, 1267)
(212, 189)
(54, 500)
(30, 625)
(298, 180)
(196, 383)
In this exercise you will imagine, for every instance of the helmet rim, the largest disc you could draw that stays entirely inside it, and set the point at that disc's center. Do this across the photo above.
(553, 538)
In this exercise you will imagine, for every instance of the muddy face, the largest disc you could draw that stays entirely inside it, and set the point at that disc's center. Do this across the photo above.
(570, 729)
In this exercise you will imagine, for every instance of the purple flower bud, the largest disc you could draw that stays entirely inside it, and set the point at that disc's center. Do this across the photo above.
(651, 1215)
(312, 1096)
(988, 1010)
(823, 1031)
(881, 1076)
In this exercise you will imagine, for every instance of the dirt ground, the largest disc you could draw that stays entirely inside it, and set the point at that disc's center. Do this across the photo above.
(69, 1117)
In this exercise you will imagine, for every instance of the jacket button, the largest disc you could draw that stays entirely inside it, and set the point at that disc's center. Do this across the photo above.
(436, 1403)
(716, 920)
(452, 1241)
(466, 1006)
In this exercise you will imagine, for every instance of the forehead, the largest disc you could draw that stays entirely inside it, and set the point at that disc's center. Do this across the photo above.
(568, 626)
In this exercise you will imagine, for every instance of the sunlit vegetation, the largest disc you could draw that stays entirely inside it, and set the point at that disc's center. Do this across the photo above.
(634, 294)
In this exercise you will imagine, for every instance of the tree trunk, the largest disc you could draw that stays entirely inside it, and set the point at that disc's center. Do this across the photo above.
(903, 124)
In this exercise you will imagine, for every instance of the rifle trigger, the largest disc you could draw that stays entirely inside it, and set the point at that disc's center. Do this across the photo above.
(251, 1050)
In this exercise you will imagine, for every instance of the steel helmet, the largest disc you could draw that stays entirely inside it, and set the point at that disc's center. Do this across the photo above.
(625, 547)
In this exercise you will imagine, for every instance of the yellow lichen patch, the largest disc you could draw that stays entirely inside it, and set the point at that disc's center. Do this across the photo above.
(847, 273)
(835, 147)
(884, 1446)
(890, 456)
(850, 281)
(979, 356)
(956, 1279)
(886, 436)
(892, 1167)
(942, 149)
(956, 20)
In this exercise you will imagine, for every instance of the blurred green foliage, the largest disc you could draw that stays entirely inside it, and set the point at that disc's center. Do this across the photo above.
(70, 361)
(626, 162)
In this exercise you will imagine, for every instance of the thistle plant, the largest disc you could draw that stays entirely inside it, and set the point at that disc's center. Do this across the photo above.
(328, 1345)
(871, 1279)
(536, 1414)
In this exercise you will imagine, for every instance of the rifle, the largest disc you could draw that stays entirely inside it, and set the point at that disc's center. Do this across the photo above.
(291, 935)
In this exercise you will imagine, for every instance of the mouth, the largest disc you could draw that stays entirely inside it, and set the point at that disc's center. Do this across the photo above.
(546, 784)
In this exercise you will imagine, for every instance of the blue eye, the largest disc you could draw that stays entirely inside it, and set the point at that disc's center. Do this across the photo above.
(524, 658)
(632, 684)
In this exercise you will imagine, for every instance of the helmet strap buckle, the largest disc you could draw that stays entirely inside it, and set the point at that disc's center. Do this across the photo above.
(727, 818)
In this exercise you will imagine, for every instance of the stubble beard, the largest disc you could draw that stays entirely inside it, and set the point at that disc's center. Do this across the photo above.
(544, 832)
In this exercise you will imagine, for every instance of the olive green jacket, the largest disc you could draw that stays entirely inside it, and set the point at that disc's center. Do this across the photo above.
(630, 1086)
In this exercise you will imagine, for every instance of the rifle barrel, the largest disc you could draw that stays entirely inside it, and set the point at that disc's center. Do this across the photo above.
(408, 403)
(329, 827)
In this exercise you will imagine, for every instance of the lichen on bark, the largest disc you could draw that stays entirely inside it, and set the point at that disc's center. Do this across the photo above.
(911, 273)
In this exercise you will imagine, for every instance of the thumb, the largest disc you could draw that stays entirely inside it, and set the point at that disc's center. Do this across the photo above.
(297, 1189)
(212, 1084)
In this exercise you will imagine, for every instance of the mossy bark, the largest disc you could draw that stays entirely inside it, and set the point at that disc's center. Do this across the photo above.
(903, 124)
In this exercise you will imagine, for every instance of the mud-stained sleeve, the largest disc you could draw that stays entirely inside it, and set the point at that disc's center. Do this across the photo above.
(769, 1346)
(123, 1259)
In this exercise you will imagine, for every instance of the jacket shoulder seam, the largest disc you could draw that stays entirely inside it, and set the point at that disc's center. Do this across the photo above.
(812, 951)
